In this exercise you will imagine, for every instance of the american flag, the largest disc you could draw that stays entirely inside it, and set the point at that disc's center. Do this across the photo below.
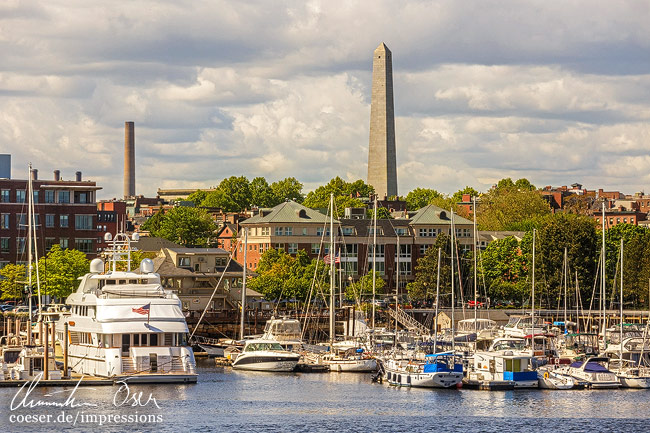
(328, 259)
(144, 310)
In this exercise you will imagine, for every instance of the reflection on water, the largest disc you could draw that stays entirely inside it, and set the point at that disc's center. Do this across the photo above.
(254, 401)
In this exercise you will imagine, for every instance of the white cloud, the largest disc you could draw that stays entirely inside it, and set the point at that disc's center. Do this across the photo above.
(483, 90)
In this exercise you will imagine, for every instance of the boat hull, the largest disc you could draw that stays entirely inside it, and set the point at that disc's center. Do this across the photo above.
(266, 363)
(642, 382)
(352, 365)
(424, 380)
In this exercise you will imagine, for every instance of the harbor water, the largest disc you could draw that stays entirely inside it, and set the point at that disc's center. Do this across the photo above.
(244, 401)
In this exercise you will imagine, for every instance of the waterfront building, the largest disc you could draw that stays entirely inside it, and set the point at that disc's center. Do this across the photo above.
(65, 214)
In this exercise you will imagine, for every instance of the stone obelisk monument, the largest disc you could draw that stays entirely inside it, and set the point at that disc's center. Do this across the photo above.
(382, 165)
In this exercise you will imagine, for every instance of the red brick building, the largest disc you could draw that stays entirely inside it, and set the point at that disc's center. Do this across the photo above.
(111, 218)
(65, 213)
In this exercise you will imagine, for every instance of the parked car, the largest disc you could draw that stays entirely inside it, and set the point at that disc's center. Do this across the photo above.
(473, 303)
(6, 307)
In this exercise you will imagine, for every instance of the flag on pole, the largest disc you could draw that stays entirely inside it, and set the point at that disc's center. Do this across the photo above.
(145, 309)
(328, 259)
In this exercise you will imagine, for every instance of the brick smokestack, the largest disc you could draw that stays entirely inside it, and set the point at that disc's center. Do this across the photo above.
(129, 159)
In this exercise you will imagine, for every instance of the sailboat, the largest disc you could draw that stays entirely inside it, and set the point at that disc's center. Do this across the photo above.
(629, 374)
(352, 359)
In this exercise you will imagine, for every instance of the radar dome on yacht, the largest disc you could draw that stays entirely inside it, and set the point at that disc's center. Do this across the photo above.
(135, 237)
(146, 266)
(97, 266)
(108, 237)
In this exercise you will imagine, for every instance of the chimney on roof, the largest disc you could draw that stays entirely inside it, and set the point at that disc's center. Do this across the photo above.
(77, 176)
(57, 175)
(34, 174)
(129, 159)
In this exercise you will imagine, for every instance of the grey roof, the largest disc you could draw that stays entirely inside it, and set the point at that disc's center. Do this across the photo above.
(165, 266)
(388, 226)
(432, 214)
(148, 243)
(288, 212)
(199, 250)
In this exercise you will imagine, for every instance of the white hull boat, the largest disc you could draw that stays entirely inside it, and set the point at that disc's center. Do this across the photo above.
(549, 379)
(265, 355)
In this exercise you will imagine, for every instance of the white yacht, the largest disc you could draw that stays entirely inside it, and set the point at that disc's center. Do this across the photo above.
(593, 371)
(285, 331)
(265, 355)
(439, 370)
(124, 324)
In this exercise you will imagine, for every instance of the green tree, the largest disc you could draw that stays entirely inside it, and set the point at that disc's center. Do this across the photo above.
(154, 223)
(458, 195)
(524, 184)
(232, 195)
(288, 189)
(60, 270)
(508, 208)
(12, 281)
(262, 195)
(420, 197)
(424, 285)
(187, 226)
(197, 197)
(345, 195)
(361, 290)
(505, 267)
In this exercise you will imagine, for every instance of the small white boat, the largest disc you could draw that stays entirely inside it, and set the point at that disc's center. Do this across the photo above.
(265, 355)
(592, 371)
(550, 379)
(351, 361)
(437, 371)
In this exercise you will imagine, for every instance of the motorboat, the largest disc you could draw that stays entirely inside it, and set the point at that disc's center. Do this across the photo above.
(440, 370)
(593, 371)
(265, 355)
(285, 331)
(354, 360)
(123, 324)
(520, 326)
(502, 370)
(31, 364)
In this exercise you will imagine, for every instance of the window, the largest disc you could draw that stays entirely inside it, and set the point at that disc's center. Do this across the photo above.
(279, 231)
(380, 251)
(83, 222)
(63, 220)
(20, 245)
(428, 232)
(379, 267)
(288, 231)
(183, 262)
(405, 268)
(278, 246)
(84, 245)
(401, 231)
(424, 248)
(35, 196)
(315, 248)
(319, 231)
(4, 196)
(463, 233)
(4, 221)
(64, 243)
(64, 196)
(81, 197)
(347, 231)
(220, 262)
(351, 250)
(49, 196)
(266, 231)
(20, 196)
(21, 221)
(350, 267)
(371, 231)
(49, 220)
(49, 243)
(405, 251)
(293, 248)
(4, 245)
(304, 231)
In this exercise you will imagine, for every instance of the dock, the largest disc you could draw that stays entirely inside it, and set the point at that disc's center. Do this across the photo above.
(304, 367)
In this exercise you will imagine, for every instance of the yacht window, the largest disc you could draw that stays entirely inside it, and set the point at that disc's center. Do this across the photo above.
(133, 281)
(110, 281)
(38, 363)
(136, 339)
(144, 339)
(153, 340)
(122, 282)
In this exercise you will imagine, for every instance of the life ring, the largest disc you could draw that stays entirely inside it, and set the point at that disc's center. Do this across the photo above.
(546, 375)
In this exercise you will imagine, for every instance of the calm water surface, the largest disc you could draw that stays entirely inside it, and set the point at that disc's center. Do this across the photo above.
(227, 400)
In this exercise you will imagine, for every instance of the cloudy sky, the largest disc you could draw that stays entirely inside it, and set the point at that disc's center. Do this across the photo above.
(557, 92)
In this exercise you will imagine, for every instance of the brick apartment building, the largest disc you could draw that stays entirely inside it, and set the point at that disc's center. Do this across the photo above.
(293, 227)
(111, 218)
(65, 213)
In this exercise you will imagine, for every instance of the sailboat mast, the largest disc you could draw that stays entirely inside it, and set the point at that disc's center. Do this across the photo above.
(29, 241)
(243, 288)
(435, 329)
(332, 274)
(397, 289)
(602, 278)
(566, 268)
(475, 283)
(374, 262)
(453, 274)
(533, 288)
(620, 347)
